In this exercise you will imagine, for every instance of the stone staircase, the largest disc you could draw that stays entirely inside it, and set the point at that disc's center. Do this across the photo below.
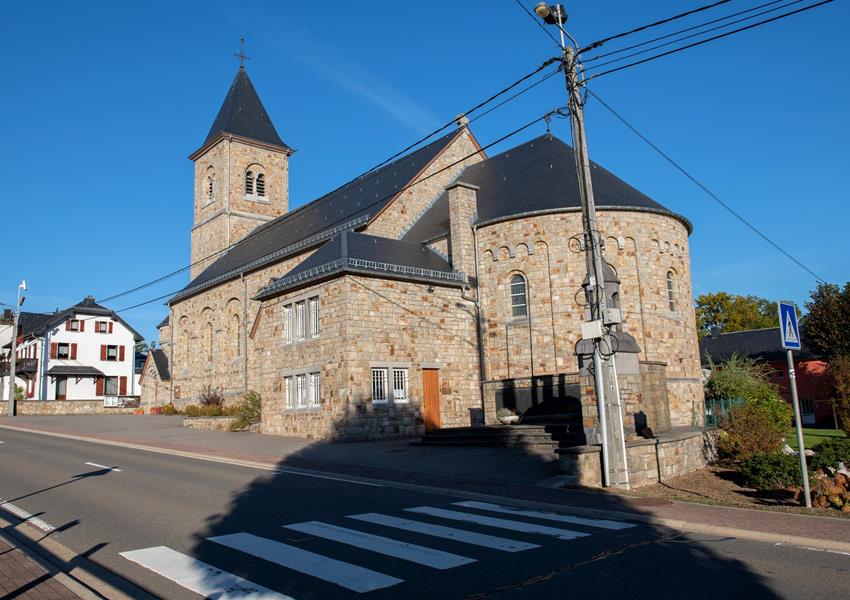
(541, 436)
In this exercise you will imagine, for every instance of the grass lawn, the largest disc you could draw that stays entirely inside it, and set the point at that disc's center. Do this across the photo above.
(814, 435)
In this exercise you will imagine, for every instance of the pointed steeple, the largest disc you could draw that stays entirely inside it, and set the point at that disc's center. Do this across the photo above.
(243, 114)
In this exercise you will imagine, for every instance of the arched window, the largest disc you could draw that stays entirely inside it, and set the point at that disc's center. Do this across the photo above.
(208, 334)
(249, 183)
(261, 185)
(237, 338)
(519, 298)
(210, 188)
(671, 291)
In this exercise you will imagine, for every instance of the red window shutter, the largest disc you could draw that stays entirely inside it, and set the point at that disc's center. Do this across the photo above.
(73, 352)
(98, 386)
(102, 352)
(120, 352)
(54, 349)
(82, 325)
(122, 386)
(110, 327)
(68, 325)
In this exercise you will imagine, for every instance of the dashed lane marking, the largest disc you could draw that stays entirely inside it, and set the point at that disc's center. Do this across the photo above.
(91, 464)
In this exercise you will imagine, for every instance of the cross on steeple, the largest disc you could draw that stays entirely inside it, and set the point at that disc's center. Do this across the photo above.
(241, 55)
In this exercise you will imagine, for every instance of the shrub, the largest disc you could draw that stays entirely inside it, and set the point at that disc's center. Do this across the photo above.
(19, 394)
(248, 411)
(829, 453)
(212, 397)
(156, 410)
(193, 410)
(771, 471)
(170, 409)
(751, 429)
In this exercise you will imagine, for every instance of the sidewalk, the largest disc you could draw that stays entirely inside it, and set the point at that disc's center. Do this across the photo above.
(23, 579)
(510, 473)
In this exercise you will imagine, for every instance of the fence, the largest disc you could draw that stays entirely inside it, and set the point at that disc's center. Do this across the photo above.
(714, 409)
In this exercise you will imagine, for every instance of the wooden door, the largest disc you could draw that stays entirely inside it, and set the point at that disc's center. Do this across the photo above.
(431, 399)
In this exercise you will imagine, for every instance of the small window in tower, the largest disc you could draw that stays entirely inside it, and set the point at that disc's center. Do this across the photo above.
(210, 188)
(671, 291)
(261, 185)
(249, 183)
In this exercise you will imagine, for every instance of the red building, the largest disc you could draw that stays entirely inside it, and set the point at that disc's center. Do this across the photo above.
(814, 387)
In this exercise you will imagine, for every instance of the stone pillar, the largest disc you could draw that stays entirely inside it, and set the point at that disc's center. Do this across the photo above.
(463, 208)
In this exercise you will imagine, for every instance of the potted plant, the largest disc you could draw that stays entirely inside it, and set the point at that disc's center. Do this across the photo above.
(507, 416)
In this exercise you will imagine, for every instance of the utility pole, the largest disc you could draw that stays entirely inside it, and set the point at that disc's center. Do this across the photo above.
(12, 357)
(556, 15)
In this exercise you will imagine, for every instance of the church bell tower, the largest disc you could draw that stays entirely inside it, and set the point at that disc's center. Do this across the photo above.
(241, 174)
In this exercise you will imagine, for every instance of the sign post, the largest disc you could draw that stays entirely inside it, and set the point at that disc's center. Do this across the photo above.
(790, 333)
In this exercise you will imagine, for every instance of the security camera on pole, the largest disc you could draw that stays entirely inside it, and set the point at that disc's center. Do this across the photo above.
(614, 465)
(12, 359)
(790, 334)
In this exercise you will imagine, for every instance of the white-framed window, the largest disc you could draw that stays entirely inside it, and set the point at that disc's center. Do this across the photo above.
(110, 386)
(314, 399)
(379, 386)
(301, 390)
(400, 385)
(63, 351)
(671, 291)
(300, 321)
(287, 324)
(314, 317)
(101, 327)
(289, 391)
(74, 325)
(519, 298)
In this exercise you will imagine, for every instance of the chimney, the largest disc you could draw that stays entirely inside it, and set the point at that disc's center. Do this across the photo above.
(463, 208)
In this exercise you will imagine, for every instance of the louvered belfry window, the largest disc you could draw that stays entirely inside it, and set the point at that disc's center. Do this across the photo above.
(249, 183)
(261, 185)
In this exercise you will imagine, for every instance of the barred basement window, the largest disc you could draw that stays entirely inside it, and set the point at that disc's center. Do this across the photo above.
(289, 391)
(300, 321)
(519, 300)
(379, 386)
(400, 385)
(315, 391)
(287, 324)
(249, 183)
(314, 317)
(671, 292)
(261, 185)
(301, 390)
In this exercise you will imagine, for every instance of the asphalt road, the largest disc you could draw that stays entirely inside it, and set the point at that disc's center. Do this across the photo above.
(171, 524)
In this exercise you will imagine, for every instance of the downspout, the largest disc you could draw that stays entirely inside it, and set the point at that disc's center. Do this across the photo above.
(171, 354)
(482, 370)
(244, 340)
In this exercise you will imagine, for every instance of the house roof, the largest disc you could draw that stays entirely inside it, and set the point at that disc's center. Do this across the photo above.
(242, 113)
(350, 252)
(163, 323)
(160, 361)
(348, 207)
(77, 370)
(760, 344)
(537, 176)
(87, 306)
(29, 322)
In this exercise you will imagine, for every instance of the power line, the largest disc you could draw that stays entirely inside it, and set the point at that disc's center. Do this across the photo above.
(705, 41)
(311, 206)
(538, 23)
(555, 112)
(714, 196)
(598, 43)
(669, 35)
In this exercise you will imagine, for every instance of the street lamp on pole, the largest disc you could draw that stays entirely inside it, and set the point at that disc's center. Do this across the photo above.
(556, 15)
(22, 287)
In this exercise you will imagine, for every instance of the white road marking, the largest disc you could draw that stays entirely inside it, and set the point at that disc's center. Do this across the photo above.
(812, 549)
(198, 576)
(91, 464)
(448, 533)
(349, 576)
(24, 515)
(524, 527)
(549, 516)
(429, 557)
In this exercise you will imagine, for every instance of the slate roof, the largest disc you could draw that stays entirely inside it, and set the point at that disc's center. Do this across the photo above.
(760, 344)
(537, 176)
(29, 322)
(78, 370)
(160, 361)
(349, 206)
(351, 252)
(163, 323)
(243, 114)
(88, 306)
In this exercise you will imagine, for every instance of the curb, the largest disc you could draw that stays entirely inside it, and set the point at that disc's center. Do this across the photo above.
(678, 524)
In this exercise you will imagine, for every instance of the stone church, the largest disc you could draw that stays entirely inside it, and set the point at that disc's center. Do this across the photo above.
(428, 293)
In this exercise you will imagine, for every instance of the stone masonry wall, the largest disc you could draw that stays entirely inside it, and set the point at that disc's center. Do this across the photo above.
(65, 407)
(641, 246)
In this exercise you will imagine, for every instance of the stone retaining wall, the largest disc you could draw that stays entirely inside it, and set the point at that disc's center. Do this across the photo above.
(209, 423)
(65, 407)
(650, 461)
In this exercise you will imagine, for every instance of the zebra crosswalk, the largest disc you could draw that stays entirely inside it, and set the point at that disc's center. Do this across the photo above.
(388, 538)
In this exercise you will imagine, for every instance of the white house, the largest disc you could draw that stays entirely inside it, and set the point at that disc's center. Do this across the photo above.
(85, 352)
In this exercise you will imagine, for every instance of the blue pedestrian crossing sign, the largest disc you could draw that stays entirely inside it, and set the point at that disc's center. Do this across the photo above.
(788, 328)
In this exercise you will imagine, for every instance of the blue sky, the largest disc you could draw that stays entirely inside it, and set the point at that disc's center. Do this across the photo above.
(104, 101)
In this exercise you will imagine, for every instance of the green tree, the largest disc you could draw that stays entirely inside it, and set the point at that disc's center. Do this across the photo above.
(826, 328)
(731, 312)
